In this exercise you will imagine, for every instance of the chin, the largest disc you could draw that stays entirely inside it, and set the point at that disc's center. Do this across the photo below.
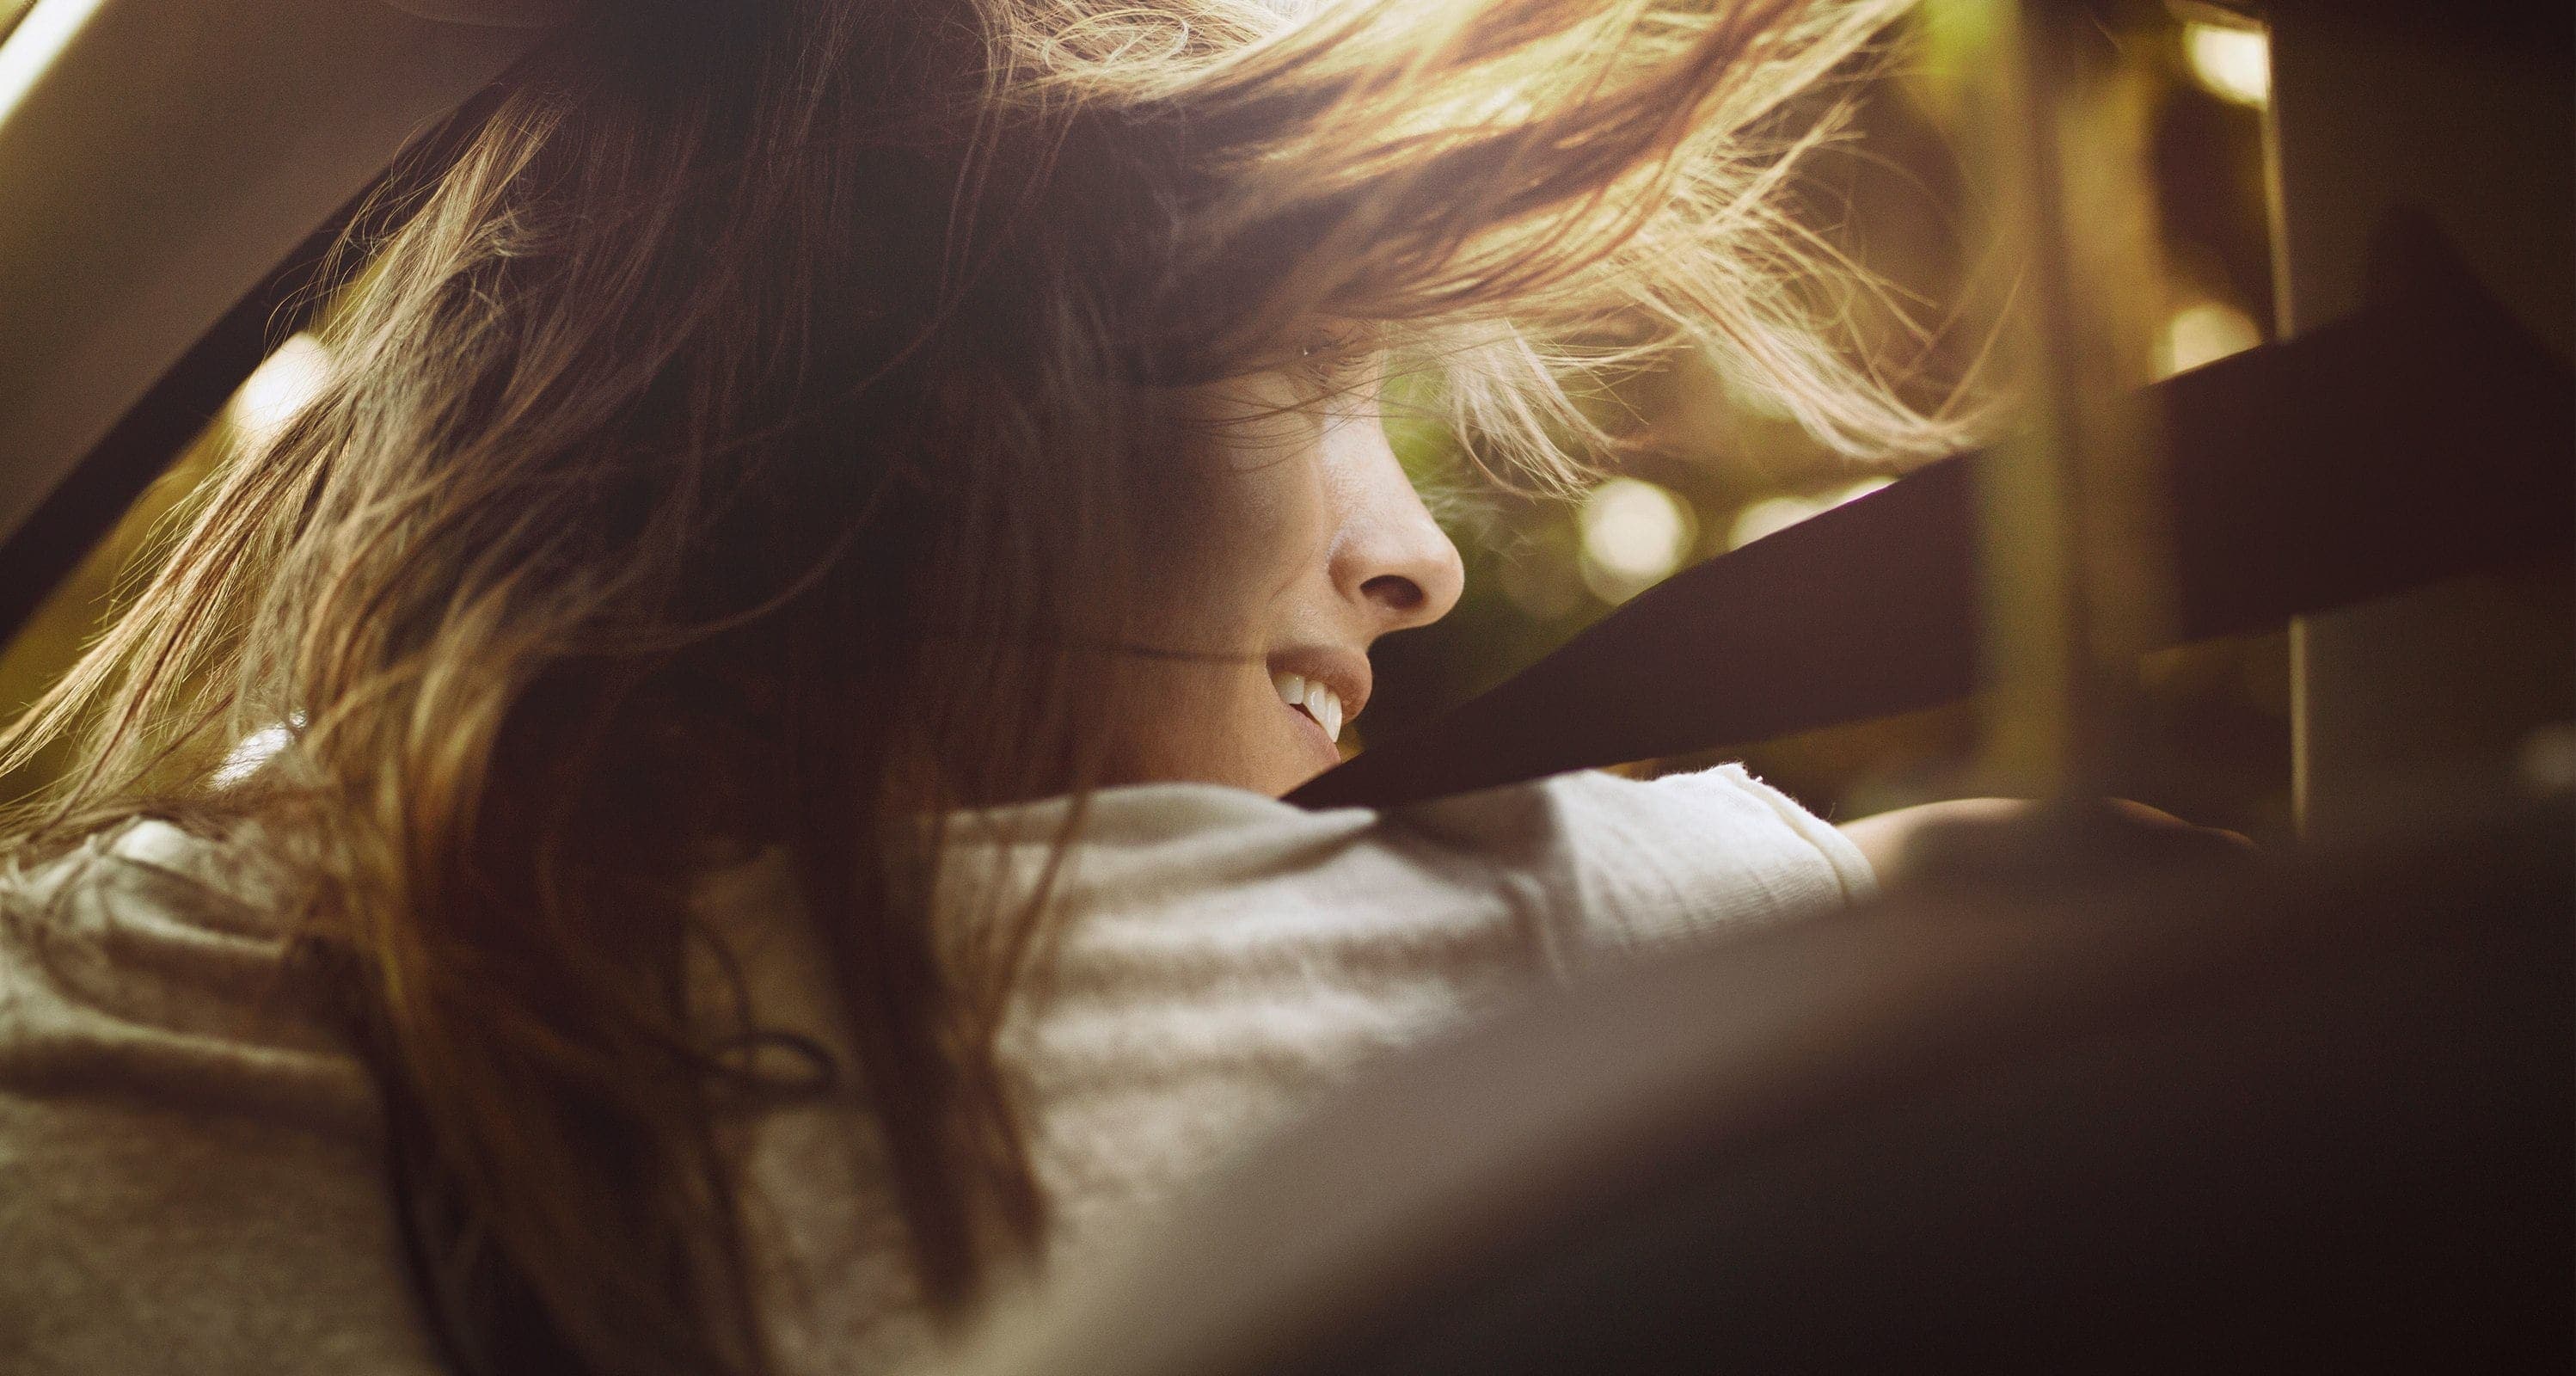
(1283, 770)
(1278, 775)
(1248, 759)
(1290, 782)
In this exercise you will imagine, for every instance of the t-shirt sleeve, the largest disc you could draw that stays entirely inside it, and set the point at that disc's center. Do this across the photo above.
(1696, 854)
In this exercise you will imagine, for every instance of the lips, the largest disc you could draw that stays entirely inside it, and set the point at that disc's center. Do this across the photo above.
(1314, 698)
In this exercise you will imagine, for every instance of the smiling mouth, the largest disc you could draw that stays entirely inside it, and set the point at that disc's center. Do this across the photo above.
(1311, 697)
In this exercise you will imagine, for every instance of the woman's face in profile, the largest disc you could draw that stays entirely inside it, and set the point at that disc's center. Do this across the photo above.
(1299, 543)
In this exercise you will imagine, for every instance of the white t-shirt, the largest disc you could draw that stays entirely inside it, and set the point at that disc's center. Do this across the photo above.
(191, 1164)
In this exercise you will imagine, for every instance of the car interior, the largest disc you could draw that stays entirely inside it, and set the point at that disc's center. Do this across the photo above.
(2089, 1105)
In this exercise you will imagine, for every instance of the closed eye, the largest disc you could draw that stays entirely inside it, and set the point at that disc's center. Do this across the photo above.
(1336, 362)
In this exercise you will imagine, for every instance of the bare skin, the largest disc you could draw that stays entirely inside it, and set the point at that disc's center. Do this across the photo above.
(1887, 839)
(1308, 544)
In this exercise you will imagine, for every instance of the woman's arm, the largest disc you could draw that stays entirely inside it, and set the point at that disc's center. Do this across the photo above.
(1895, 843)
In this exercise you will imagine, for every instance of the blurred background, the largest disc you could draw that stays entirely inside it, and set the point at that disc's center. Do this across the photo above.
(2192, 82)
(1726, 468)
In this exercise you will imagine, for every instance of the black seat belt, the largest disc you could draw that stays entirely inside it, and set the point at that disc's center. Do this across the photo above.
(2428, 435)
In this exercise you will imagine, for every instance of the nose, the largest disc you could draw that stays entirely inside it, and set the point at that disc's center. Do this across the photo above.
(1391, 561)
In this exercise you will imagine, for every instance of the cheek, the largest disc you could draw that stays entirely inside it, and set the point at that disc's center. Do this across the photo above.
(1205, 720)
(1232, 532)
(1244, 520)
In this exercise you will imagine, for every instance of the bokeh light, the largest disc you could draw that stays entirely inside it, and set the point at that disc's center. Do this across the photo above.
(2233, 61)
(2203, 332)
(1774, 514)
(1634, 534)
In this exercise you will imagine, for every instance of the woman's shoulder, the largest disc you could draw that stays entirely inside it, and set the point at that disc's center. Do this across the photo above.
(148, 960)
(190, 1166)
(1172, 877)
(1217, 958)
(1634, 862)
(1703, 847)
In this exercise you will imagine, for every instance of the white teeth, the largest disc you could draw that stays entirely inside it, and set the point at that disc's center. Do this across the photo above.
(1325, 706)
(1319, 702)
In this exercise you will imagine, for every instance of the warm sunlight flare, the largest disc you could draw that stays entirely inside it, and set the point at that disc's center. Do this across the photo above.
(284, 385)
(1634, 534)
(2203, 332)
(1774, 514)
(2233, 61)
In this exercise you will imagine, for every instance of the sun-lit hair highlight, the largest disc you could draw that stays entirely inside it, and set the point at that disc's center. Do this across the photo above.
(733, 446)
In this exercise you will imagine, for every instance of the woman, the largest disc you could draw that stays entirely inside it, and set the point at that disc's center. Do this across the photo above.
(783, 464)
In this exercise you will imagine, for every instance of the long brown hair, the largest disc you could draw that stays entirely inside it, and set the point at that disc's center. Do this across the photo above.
(734, 441)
